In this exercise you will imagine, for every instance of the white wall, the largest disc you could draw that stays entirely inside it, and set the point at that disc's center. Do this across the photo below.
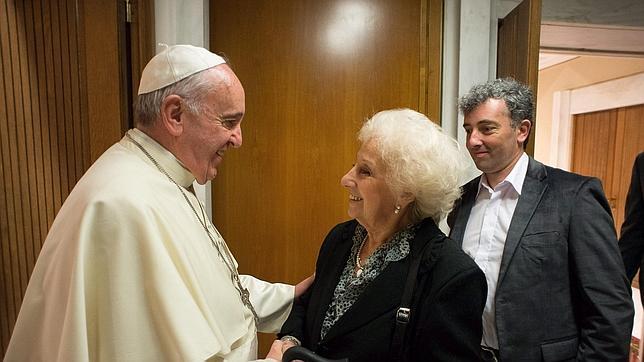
(469, 58)
(181, 22)
(184, 22)
(557, 84)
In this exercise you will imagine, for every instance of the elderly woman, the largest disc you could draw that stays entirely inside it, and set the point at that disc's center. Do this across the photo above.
(392, 256)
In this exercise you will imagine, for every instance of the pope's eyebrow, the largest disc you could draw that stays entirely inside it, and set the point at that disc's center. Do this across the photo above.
(234, 116)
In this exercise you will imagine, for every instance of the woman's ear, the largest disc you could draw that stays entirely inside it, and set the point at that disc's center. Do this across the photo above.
(405, 199)
(171, 114)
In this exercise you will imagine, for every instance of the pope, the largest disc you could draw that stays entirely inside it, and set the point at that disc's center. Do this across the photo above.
(132, 269)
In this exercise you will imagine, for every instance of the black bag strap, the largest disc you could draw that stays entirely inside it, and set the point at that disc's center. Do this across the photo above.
(403, 314)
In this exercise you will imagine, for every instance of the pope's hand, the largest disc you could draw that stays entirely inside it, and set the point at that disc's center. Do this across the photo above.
(276, 351)
(302, 286)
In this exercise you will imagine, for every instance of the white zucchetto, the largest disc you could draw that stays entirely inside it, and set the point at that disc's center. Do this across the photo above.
(175, 63)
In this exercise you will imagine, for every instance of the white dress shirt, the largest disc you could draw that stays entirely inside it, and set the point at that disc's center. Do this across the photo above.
(485, 233)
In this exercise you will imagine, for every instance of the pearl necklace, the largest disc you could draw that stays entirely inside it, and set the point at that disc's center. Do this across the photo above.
(358, 264)
(225, 256)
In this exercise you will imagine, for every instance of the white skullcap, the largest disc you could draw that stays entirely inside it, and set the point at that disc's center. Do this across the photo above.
(175, 63)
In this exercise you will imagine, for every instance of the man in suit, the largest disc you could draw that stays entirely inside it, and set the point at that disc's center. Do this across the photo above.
(631, 241)
(544, 239)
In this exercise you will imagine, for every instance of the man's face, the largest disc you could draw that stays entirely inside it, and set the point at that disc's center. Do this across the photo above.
(492, 142)
(209, 134)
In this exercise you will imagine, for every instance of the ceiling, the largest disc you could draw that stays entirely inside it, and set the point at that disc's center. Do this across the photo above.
(621, 13)
(570, 28)
(549, 59)
(592, 39)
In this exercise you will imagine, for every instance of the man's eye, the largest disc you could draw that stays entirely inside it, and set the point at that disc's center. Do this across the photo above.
(364, 171)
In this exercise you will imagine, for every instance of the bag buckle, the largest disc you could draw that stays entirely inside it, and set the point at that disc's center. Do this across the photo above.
(402, 315)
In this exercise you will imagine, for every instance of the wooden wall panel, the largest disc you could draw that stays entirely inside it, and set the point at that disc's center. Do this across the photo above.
(593, 132)
(518, 49)
(14, 268)
(313, 71)
(605, 145)
(46, 97)
(143, 46)
(103, 54)
(518, 46)
(629, 143)
(39, 102)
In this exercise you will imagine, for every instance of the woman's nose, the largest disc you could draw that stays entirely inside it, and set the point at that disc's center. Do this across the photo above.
(347, 179)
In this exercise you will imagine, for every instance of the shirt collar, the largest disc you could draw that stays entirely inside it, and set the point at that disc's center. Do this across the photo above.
(165, 158)
(515, 178)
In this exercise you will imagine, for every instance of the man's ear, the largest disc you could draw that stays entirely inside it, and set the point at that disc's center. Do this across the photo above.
(171, 114)
(523, 130)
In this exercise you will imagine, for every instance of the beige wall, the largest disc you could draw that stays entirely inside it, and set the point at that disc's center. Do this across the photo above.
(576, 73)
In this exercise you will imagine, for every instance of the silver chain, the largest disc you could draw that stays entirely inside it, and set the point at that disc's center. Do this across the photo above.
(225, 256)
(358, 264)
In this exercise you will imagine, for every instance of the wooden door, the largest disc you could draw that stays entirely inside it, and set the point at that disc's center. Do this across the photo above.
(313, 71)
(605, 144)
(62, 103)
(518, 50)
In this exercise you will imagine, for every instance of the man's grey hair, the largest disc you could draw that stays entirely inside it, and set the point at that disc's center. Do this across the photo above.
(517, 96)
(419, 158)
(192, 89)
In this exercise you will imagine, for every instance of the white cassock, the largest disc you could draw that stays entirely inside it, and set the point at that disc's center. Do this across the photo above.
(128, 273)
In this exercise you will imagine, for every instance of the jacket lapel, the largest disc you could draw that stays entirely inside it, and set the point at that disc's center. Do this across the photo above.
(334, 269)
(533, 189)
(462, 211)
(385, 292)
(381, 296)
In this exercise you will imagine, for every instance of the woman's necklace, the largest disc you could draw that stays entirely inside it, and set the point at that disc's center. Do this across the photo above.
(218, 243)
(358, 264)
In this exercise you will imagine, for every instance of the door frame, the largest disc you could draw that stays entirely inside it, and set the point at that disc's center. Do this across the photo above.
(614, 93)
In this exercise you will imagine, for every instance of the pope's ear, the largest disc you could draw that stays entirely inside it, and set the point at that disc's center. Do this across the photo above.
(171, 114)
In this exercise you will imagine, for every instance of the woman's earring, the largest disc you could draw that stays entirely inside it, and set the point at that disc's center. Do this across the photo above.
(397, 211)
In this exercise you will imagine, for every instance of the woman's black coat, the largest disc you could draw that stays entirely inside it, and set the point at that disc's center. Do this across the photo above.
(448, 300)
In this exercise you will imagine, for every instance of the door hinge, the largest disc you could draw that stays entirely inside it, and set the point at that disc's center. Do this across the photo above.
(128, 11)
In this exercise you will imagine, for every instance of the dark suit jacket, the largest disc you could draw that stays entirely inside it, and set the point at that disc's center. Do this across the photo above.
(449, 298)
(631, 241)
(562, 293)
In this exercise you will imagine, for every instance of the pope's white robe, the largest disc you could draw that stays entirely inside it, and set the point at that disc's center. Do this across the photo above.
(127, 273)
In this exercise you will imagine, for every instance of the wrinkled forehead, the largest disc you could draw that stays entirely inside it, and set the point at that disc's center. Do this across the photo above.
(370, 153)
(226, 97)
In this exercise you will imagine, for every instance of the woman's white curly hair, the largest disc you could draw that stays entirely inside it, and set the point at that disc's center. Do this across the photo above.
(419, 158)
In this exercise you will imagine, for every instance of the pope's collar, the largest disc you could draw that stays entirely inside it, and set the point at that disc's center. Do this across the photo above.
(165, 158)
